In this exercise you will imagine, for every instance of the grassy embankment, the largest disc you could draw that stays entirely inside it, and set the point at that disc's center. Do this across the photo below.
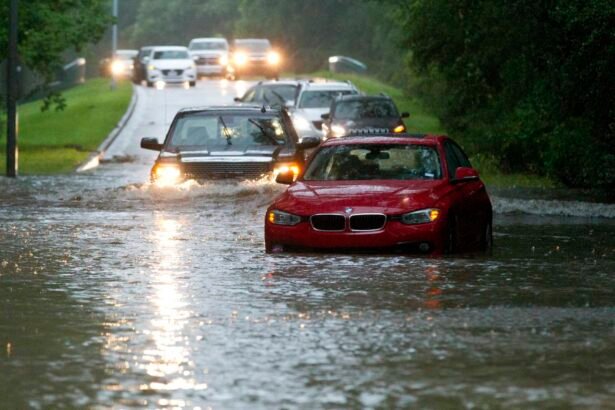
(53, 142)
(422, 121)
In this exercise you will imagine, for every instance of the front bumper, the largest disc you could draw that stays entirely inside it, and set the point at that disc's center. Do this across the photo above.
(394, 235)
(171, 76)
(205, 69)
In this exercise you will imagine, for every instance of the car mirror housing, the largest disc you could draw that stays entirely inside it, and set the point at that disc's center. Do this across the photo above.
(405, 114)
(151, 143)
(325, 116)
(286, 178)
(463, 174)
(308, 142)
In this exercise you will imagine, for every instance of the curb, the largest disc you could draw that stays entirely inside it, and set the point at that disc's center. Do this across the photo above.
(94, 159)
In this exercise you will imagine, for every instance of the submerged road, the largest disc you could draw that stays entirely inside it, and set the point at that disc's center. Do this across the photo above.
(118, 294)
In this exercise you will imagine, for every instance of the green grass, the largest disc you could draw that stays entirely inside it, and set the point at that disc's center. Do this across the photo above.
(53, 142)
(423, 121)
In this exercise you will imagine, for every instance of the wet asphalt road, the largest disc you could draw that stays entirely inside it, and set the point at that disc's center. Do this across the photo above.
(118, 294)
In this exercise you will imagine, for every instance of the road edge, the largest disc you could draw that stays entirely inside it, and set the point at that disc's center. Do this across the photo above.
(94, 159)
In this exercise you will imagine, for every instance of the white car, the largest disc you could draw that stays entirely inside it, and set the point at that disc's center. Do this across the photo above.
(314, 99)
(170, 64)
(211, 55)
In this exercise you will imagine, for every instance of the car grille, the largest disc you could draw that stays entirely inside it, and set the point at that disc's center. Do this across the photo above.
(172, 73)
(317, 124)
(367, 222)
(212, 170)
(328, 222)
(208, 61)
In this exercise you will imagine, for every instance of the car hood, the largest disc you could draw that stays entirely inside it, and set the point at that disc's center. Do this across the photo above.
(172, 64)
(312, 114)
(257, 153)
(390, 197)
(369, 123)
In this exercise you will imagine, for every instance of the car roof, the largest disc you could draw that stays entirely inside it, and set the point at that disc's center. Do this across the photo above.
(328, 85)
(423, 139)
(243, 108)
(209, 39)
(169, 48)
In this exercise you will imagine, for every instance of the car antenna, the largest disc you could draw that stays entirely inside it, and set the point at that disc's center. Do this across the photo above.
(263, 109)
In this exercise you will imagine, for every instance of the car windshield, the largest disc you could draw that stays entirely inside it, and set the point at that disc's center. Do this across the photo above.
(222, 130)
(374, 161)
(208, 45)
(359, 109)
(253, 46)
(321, 99)
(171, 55)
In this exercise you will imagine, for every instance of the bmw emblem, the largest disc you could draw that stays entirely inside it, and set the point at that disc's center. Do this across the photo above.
(348, 210)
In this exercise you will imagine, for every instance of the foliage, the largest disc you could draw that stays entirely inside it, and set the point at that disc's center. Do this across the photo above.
(530, 82)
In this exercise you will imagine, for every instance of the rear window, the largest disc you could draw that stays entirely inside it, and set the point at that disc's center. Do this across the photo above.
(171, 55)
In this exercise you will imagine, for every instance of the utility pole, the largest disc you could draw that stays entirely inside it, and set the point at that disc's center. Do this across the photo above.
(114, 40)
(11, 94)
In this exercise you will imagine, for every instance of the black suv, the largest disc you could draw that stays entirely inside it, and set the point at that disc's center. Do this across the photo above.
(360, 114)
(227, 142)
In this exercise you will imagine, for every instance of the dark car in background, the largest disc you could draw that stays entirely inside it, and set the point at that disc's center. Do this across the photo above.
(227, 142)
(273, 93)
(252, 56)
(360, 114)
(139, 68)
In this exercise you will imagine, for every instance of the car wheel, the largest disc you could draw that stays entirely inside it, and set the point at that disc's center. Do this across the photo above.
(486, 240)
(450, 244)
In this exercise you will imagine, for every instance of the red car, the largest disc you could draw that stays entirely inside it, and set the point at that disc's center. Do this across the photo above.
(413, 194)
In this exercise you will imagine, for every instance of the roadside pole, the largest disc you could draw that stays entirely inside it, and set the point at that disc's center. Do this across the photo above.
(11, 94)
(113, 41)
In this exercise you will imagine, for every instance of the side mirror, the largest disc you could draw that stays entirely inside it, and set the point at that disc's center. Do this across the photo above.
(325, 116)
(405, 114)
(286, 178)
(308, 142)
(151, 143)
(464, 174)
(237, 99)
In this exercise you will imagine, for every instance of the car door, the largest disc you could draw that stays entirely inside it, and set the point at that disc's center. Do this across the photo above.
(470, 208)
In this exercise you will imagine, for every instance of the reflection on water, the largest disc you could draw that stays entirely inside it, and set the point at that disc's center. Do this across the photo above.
(116, 294)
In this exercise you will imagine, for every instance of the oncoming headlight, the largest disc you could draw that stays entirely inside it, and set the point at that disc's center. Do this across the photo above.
(338, 131)
(420, 217)
(151, 67)
(282, 218)
(273, 58)
(240, 58)
(168, 174)
(301, 123)
(117, 67)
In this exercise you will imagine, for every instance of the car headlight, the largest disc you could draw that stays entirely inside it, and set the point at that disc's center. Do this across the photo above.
(283, 218)
(117, 67)
(284, 168)
(420, 217)
(338, 131)
(223, 60)
(301, 123)
(168, 174)
(151, 67)
(240, 58)
(273, 58)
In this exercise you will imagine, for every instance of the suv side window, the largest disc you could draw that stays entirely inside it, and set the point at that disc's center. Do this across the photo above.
(452, 162)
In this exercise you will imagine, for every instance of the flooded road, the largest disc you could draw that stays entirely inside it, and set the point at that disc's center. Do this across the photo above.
(118, 294)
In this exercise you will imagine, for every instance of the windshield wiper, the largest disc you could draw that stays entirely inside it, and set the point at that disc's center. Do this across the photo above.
(226, 131)
(264, 132)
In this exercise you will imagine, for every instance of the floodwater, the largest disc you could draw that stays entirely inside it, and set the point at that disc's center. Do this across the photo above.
(118, 294)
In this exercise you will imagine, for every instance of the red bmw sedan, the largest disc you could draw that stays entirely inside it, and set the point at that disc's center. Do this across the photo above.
(410, 194)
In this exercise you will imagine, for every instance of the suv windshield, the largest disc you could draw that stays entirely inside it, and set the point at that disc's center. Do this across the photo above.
(371, 108)
(374, 161)
(253, 46)
(321, 99)
(208, 45)
(219, 131)
(171, 55)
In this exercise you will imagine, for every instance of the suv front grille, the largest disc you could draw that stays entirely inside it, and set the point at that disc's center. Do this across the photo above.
(172, 73)
(367, 222)
(212, 170)
(328, 222)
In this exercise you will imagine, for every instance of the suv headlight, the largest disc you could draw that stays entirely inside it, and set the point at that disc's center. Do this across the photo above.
(338, 131)
(167, 174)
(282, 218)
(301, 123)
(420, 217)
(151, 67)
